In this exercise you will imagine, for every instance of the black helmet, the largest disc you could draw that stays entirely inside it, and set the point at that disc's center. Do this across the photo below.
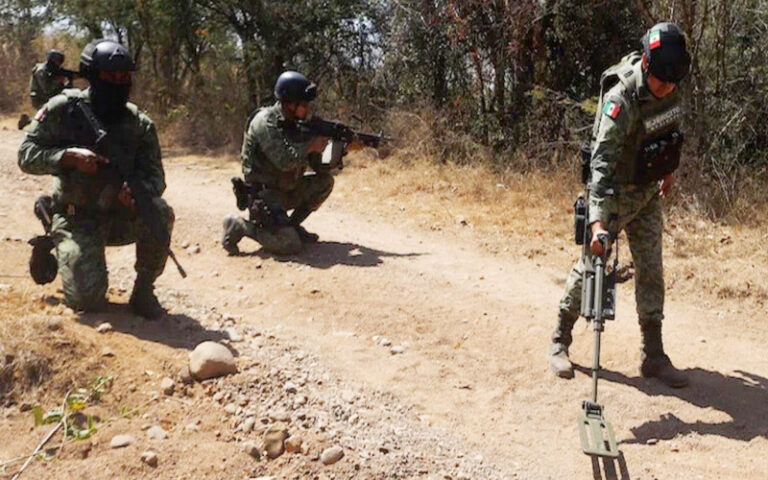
(665, 47)
(55, 57)
(294, 87)
(105, 54)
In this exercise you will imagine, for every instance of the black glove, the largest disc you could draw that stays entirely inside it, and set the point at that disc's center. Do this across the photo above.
(42, 264)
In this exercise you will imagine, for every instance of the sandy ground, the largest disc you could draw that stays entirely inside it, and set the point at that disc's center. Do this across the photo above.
(475, 325)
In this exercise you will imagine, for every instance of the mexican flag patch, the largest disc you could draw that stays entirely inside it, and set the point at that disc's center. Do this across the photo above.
(654, 39)
(612, 109)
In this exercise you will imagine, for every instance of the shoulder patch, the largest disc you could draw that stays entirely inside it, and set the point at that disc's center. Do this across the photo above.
(654, 39)
(40, 115)
(612, 109)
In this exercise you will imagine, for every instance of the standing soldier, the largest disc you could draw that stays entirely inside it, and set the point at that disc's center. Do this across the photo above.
(47, 80)
(642, 109)
(275, 160)
(83, 138)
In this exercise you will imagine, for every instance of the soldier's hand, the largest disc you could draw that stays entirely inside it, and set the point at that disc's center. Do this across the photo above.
(125, 197)
(595, 245)
(666, 184)
(317, 145)
(83, 160)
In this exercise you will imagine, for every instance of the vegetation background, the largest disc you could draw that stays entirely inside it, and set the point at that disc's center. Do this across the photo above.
(508, 85)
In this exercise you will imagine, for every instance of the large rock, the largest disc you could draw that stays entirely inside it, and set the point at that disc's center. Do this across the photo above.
(211, 360)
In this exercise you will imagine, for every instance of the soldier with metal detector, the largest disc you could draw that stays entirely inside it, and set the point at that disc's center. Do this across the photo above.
(635, 148)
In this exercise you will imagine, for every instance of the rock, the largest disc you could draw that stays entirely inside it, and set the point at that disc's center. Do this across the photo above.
(104, 327)
(293, 444)
(167, 385)
(157, 433)
(274, 440)
(332, 455)
(385, 342)
(194, 249)
(397, 350)
(289, 387)
(300, 401)
(120, 441)
(252, 449)
(53, 324)
(210, 360)
(233, 334)
(248, 424)
(150, 458)
(185, 376)
(652, 441)
(107, 352)
(230, 408)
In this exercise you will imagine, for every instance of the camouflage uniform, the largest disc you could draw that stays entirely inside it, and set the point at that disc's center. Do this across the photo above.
(628, 116)
(43, 86)
(87, 215)
(277, 160)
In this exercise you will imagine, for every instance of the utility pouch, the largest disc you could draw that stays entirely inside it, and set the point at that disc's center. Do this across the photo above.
(579, 219)
(658, 157)
(240, 189)
(586, 158)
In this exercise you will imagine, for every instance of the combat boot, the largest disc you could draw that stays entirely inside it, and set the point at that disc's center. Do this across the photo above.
(655, 363)
(233, 233)
(558, 360)
(299, 215)
(143, 301)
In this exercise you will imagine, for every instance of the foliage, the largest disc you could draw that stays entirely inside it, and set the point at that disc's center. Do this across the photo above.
(78, 426)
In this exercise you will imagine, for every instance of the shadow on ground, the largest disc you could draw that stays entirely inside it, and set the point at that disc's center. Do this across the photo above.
(743, 396)
(173, 330)
(325, 255)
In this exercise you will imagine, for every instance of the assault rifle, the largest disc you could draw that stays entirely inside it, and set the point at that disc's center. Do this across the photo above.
(334, 130)
(145, 207)
(598, 304)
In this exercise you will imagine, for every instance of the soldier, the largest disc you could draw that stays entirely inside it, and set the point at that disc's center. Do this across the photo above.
(641, 108)
(275, 160)
(90, 210)
(46, 81)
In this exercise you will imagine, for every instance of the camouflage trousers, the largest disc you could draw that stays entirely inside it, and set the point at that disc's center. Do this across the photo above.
(640, 216)
(311, 192)
(80, 243)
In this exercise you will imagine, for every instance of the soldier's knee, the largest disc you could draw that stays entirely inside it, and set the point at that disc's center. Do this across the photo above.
(84, 293)
(282, 241)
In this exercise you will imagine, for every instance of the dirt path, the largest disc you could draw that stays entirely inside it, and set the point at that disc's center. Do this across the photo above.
(475, 327)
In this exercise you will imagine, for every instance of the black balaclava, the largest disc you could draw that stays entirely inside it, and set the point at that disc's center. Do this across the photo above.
(108, 99)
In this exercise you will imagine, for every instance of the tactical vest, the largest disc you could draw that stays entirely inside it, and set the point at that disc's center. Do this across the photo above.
(652, 145)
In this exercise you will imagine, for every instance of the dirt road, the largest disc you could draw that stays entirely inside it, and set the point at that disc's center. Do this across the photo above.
(475, 328)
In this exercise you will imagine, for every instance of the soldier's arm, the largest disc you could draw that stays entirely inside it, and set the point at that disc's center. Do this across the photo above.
(611, 137)
(34, 90)
(41, 151)
(149, 163)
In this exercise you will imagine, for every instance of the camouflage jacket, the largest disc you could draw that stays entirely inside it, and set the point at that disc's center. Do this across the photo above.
(131, 146)
(43, 86)
(628, 116)
(273, 156)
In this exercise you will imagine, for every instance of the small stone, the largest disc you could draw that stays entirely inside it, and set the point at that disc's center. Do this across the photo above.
(120, 441)
(192, 427)
(397, 350)
(167, 385)
(150, 458)
(332, 455)
(185, 244)
(385, 342)
(157, 433)
(274, 439)
(293, 444)
(107, 352)
(230, 408)
(248, 424)
(252, 449)
(194, 249)
(289, 387)
(652, 441)
(300, 401)
(210, 360)
(233, 334)
(185, 376)
(701, 340)
(53, 324)
(104, 327)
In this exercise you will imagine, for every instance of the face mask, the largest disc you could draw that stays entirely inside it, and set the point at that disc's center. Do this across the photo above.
(108, 100)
